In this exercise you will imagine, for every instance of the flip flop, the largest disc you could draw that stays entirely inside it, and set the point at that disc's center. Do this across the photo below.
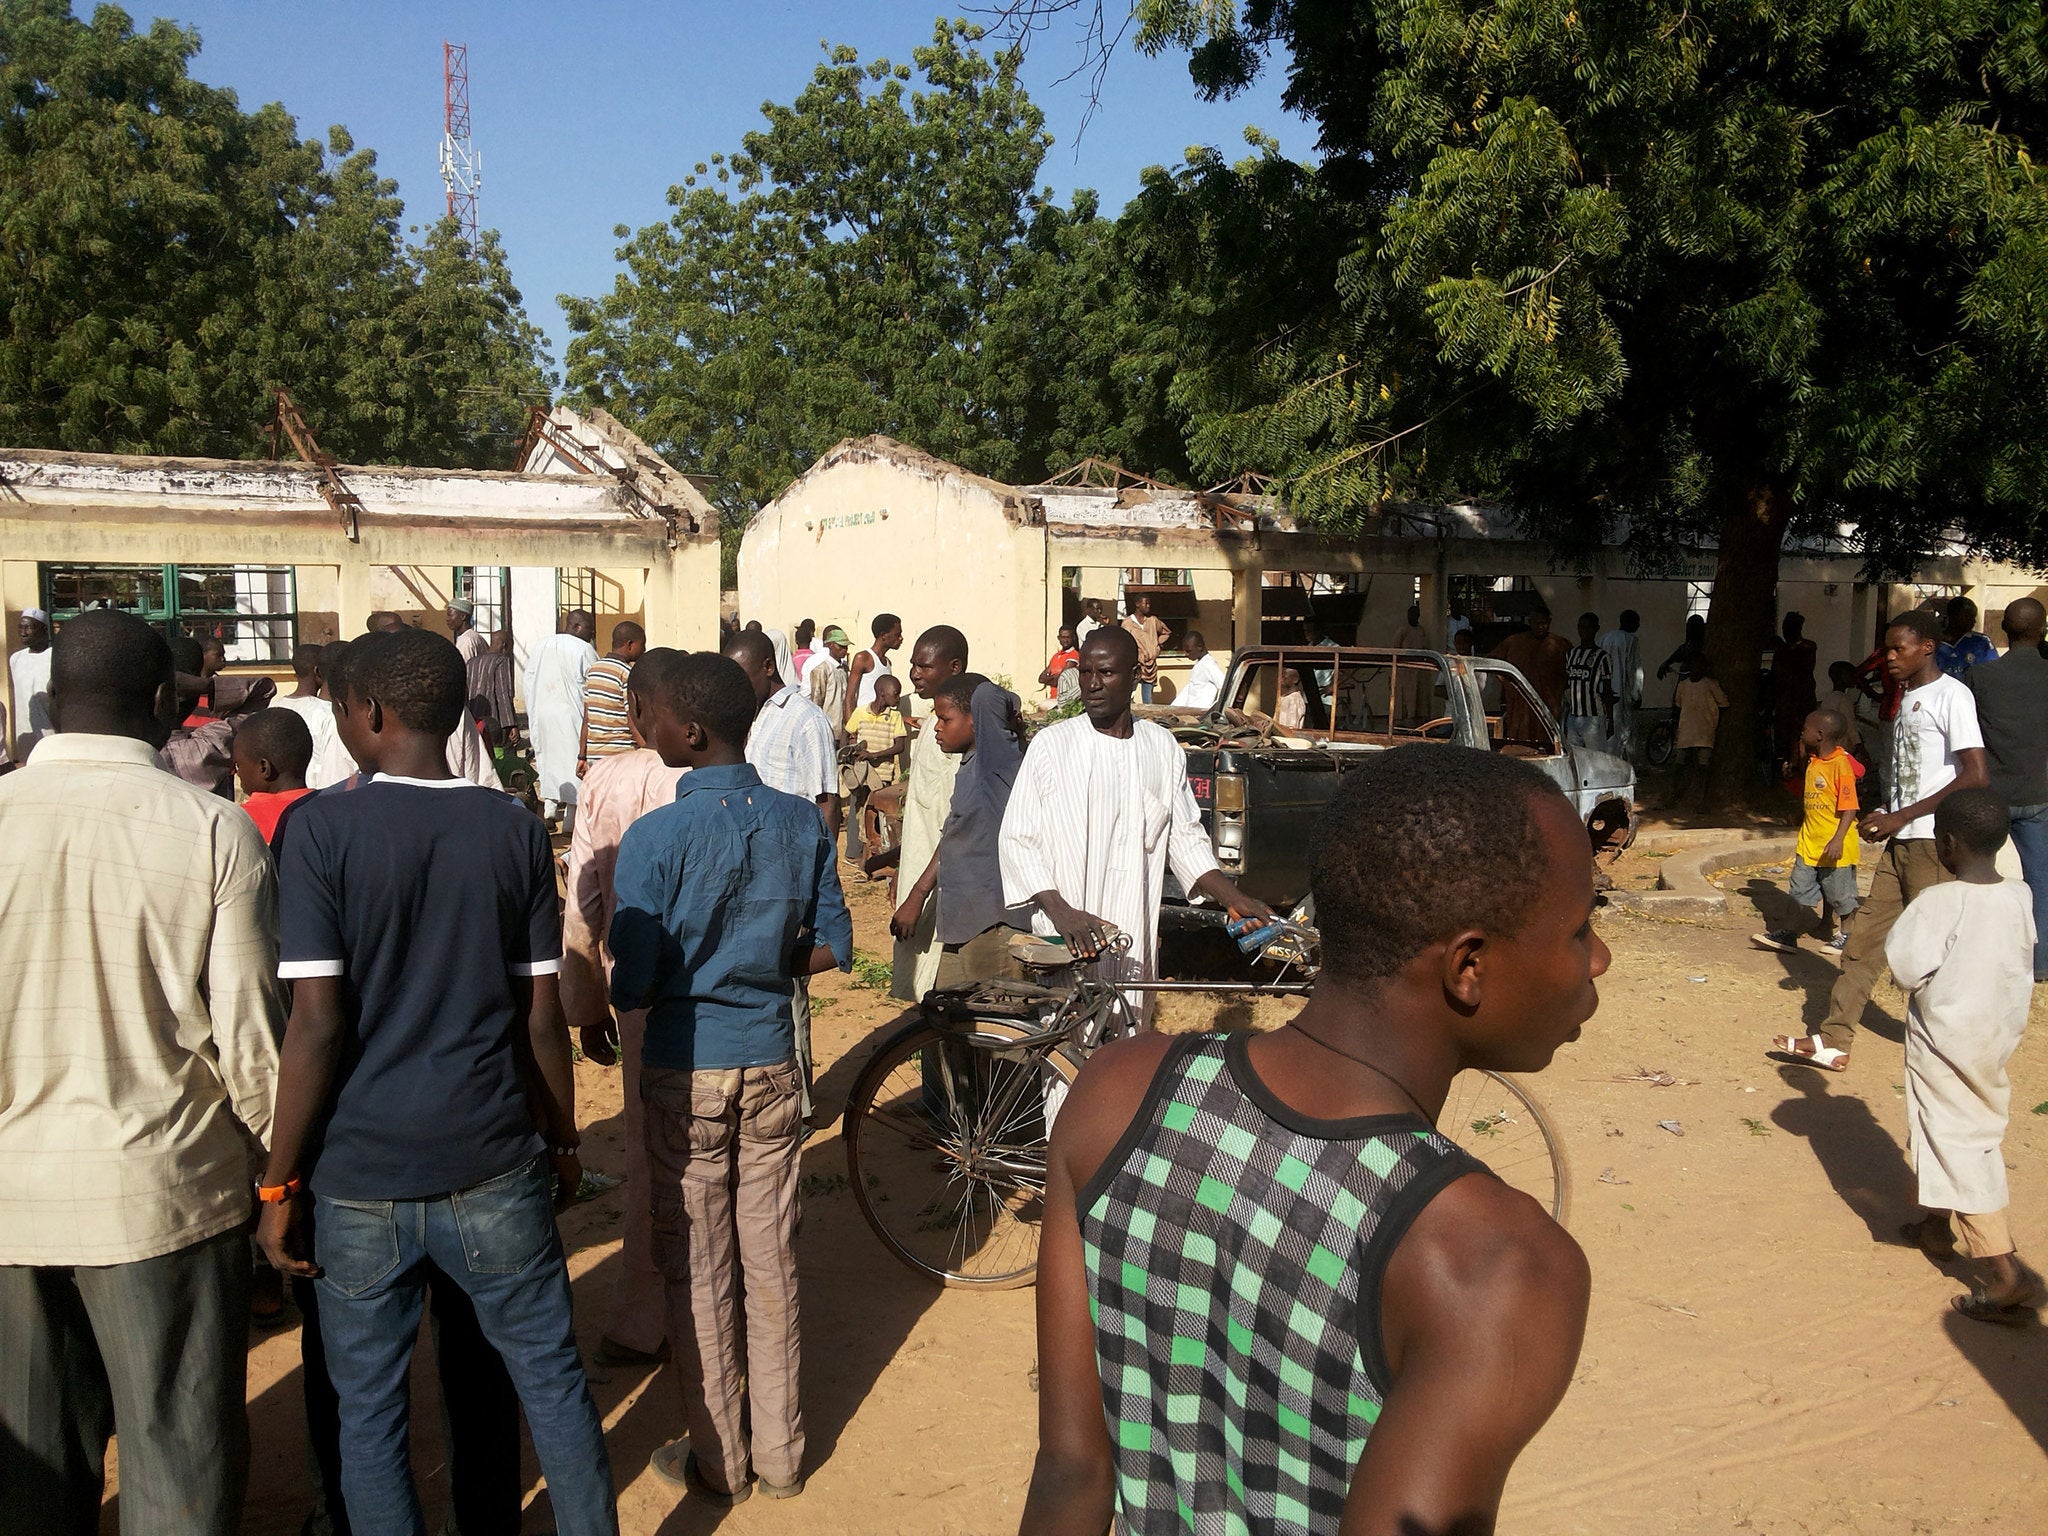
(1980, 1308)
(1817, 1052)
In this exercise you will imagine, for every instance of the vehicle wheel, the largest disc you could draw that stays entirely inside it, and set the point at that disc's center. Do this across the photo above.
(1660, 746)
(1503, 1124)
(945, 1147)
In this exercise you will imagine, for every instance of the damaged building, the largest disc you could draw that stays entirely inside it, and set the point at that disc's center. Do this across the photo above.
(273, 554)
(877, 526)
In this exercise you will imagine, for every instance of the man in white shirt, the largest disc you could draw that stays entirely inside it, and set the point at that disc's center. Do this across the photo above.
(1099, 812)
(555, 674)
(1937, 749)
(462, 629)
(1205, 678)
(28, 669)
(138, 936)
(1625, 660)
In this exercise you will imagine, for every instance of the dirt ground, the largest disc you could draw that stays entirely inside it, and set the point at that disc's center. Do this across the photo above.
(1763, 1356)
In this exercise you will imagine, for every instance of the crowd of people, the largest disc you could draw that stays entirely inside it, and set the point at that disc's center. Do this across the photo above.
(337, 1013)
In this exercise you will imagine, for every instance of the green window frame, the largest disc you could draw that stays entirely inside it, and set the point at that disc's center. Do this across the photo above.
(252, 609)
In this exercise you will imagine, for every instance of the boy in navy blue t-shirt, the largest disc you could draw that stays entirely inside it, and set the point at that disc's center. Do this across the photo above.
(420, 927)
(724, 899)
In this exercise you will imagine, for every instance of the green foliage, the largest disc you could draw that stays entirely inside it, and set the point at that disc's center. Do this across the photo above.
(167, 261)
(1688, 270)
(876, 259)
(875, 975)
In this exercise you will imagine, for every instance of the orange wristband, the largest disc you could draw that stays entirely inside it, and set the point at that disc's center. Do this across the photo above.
(277, 1194)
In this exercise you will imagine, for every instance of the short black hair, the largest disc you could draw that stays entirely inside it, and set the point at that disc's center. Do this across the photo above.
(946, 641)
(306, 660)
(1918, 620)
(888, 680)
(1977, 818)
(646, 677)
(334, 666)
(1420, 842)
(1831, 723)
(709, 689)
(111, 659)
(1193, 634)
(959, 689)
(186, 655)
(752, 644)
(1113, 638)
(626, 631)
(883, 623)
(1962, 610)
(415, 674)
(279, 735)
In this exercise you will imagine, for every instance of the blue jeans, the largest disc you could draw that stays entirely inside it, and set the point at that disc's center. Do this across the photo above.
(497, 1241)
(2030, 841)
(1144, 693)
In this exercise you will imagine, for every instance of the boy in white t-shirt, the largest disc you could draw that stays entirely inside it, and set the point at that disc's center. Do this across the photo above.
(1937, 748)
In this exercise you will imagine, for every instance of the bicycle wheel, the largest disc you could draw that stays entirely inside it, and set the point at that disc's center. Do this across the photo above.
(945, 1147)
(1502, 1124)
(1661, 745)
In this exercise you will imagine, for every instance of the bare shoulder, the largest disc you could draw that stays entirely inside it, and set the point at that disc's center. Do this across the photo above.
(1105, 1099)
(1484, 1257)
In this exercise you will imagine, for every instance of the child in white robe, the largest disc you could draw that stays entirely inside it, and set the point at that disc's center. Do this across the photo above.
(1964, 951)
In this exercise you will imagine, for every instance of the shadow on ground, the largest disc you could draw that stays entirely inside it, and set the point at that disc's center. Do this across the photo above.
(1864, 1164)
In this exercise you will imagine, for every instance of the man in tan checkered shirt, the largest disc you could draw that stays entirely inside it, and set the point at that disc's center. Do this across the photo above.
(138, 1020)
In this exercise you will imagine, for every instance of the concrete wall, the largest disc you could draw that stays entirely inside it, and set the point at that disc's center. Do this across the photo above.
(865, 532)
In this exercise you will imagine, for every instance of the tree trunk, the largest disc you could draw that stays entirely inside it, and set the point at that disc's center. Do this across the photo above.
(1741, 621)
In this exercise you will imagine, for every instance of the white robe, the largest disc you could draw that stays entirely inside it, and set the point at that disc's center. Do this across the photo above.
(927, 798)
(1098, 821)
(1966, 955)
(29, 672)
(1625, 656)
(554, 712)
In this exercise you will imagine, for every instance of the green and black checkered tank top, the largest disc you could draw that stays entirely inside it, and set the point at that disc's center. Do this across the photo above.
(1235, 1251)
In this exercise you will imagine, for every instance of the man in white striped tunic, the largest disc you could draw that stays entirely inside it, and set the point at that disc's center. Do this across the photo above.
(1099, 812)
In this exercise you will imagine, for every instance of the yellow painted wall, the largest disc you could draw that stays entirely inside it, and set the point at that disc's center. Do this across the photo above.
(866, 536)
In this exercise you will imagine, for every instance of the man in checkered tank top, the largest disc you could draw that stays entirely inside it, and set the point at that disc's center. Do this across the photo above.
(1271, 1297)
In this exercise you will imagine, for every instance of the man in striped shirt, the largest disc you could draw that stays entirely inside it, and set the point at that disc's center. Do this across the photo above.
(605, 730)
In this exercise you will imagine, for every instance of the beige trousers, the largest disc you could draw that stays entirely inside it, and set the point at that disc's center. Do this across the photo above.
(1905, 868)
(639, 1320)
(722, 1148)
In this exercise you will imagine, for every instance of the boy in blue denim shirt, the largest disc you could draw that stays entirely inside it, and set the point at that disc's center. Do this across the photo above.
(724, 899)
(424, 1086)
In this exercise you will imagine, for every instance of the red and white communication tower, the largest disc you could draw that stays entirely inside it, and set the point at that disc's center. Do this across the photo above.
(462, 168)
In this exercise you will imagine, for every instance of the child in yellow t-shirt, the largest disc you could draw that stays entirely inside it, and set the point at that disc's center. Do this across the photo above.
(876, 751)
(1824, 864)
(878, 736)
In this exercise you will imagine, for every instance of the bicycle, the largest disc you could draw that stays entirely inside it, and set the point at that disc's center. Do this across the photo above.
(947, 1124)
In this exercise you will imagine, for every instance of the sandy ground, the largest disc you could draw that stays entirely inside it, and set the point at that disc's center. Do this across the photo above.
(1762, 1355)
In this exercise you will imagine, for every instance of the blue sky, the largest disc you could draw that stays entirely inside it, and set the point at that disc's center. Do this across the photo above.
(585, 114)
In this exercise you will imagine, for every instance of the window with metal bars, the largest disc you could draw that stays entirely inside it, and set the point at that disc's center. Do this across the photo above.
(252, 610)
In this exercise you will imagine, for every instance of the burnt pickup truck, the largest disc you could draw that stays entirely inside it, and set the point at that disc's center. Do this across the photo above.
(1266, 757)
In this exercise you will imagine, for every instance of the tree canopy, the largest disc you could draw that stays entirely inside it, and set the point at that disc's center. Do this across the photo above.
(1699, 269)
(168, 261)
(877, 258)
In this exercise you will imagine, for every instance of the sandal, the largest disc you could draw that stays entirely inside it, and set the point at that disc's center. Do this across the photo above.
(1810, 1051)
(1980, 1308)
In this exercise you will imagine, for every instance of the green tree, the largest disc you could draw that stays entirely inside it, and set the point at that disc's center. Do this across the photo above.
(875, 259)
(167, 261)
(1732, 270)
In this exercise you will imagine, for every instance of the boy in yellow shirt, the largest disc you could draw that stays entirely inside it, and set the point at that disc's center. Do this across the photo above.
(1824, 865)
(877, 747)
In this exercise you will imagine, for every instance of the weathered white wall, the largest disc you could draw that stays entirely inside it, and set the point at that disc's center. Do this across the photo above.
(865, 532)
